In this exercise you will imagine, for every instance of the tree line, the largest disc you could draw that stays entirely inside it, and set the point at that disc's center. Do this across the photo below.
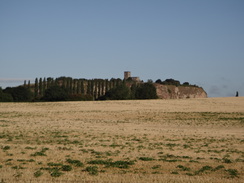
(69, 89)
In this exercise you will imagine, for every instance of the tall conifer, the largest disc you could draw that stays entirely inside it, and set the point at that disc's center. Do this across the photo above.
(36, 88)
(40, 87)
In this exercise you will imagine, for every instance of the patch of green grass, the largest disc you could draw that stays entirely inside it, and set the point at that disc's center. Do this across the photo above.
(121, 164)
(92, 170)
(6, 148)
(226, 160)
(40, 153)
(24, 160)
(56, 173)
(203, 169)
(183, 168)
(77, 163)
(232, 172)
(30, 147)
(66, 168)
(218, 167)
(17, 167)
(146, 159)
(109, 163)
(156, 166)
(38, 173)
(54, 164)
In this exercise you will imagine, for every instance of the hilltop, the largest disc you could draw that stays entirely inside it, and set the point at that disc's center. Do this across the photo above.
(70, 89)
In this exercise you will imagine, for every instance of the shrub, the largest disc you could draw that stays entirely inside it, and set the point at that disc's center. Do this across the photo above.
(55, 93)
(225, 160)
(121, 92)
(233, 173)
(19, 94)
(93, 170)
(6, 147)
(146, 159)
(183, 168)
(38, 173)
(109, 163)
(5, 97)
(77, 163)
(146, 91)
(56, 173)
(66, 168)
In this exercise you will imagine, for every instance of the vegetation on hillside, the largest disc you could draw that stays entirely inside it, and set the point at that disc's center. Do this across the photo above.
(136, 91)
(173, 82)
(69, 89)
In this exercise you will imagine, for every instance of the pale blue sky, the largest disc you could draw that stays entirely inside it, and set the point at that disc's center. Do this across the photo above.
(199, 41)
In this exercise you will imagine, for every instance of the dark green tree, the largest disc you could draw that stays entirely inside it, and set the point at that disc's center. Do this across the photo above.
(40, 87)
(82, 87)
(44, 85)
(159, 81)
(36, 88)
(146, 91)
(49, 81)
(74, 86)
(55, 93)
(88, 90)
(102, 88)
(5, 97)
(78, 87)
(122, 92)
(92, 87)
(133, 91)
(171, 82)
(29, 85)
(19, 94)
(107, 85)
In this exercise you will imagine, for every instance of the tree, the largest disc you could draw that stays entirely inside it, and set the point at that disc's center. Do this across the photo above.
(40, 87)
(5, 97)
(158, 81)
(146, 91)
(171, 82)
(106, 85)
(19, 94)
(49, 81)
(29, 85)
(133, 91)
(55, 93)
(44, 85)
(82, 87)
(121, 92)
(186, 84)
(36, 88)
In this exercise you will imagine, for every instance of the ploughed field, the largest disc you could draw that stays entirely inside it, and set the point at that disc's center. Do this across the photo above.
(191, 140)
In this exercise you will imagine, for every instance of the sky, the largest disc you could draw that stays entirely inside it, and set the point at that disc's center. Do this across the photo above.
(195, 41)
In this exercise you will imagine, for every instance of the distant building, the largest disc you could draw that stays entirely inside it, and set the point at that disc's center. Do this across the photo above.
(127, 75)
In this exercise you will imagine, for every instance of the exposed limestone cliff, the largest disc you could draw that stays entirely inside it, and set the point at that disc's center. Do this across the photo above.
(179, 92)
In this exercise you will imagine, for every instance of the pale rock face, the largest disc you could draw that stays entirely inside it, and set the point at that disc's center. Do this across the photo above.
(180, 92)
